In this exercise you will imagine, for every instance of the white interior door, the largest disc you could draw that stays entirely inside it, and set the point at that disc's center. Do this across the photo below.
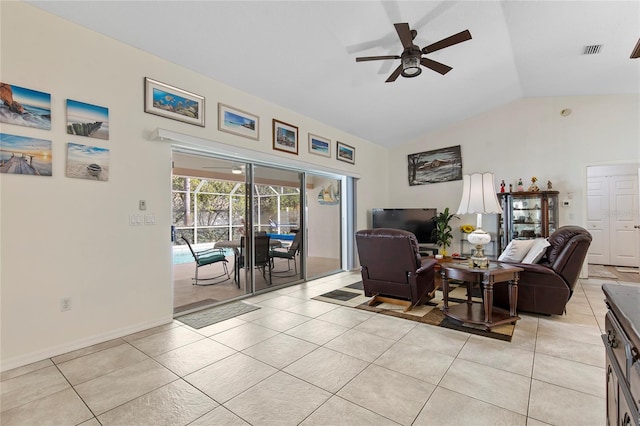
(598, 219)
(624, 199)
(613, 215)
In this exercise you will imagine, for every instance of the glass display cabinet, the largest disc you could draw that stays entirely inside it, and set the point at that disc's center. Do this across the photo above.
(527, 215)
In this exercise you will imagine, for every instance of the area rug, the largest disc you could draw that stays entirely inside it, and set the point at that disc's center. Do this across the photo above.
(430, 313)
(216, 314)
(600, 271)
(194, 305)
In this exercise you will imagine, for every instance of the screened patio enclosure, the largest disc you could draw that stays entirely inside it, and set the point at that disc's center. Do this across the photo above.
(210, 210)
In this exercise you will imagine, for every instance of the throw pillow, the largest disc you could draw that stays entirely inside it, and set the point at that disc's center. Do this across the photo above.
(516, 250)
(537, 250)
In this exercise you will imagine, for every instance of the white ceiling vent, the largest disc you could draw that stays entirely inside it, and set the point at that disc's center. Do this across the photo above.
(593, 49)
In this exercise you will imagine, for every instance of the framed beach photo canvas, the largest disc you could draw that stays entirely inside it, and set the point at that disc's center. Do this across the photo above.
(171, 102)
(87, 120)
(22, 155)
(319, 145)
(346, 153)
(87, 162)
(285, 137)
(25, 107)
(238, 122)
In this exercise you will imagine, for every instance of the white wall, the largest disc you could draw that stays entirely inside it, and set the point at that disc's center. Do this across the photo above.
(64, 237)
(528, 138)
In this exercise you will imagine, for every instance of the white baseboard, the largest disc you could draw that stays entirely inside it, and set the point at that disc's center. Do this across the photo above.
(19, 361)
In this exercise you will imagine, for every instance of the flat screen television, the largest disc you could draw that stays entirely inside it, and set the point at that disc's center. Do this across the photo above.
(418, 221)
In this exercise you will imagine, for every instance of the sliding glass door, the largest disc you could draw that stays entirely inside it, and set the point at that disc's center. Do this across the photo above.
(239, 207)
(209, 204)
(276, 213)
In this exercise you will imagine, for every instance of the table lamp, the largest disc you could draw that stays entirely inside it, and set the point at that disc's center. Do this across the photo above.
(479, 197)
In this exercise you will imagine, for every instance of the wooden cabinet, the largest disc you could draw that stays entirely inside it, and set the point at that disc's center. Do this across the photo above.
(622, 345)
(527, 215)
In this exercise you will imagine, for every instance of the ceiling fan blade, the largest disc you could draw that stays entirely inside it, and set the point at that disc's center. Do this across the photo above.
(388, 40)
(434, 13)
(449, 41)
(405, 34)
(385, 68)
(392, 10)
(436, 66)
(376, 58)
(394, 74)
(636, 51)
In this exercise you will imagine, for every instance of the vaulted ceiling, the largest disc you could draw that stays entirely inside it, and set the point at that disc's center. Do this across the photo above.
(301, 54)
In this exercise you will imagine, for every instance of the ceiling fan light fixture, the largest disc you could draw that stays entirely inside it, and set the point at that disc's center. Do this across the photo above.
(411, 66)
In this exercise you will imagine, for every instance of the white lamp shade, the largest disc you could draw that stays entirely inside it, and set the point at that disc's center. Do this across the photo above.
(479, 195)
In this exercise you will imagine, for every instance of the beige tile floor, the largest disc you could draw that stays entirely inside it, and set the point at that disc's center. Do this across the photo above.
(300, 361)
(185, 293)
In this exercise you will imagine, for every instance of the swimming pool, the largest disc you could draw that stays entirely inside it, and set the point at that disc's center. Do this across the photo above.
(181, 256)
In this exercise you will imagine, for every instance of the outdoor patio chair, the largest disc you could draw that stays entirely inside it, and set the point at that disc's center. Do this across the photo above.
(262, 259)
(208, 257)
(289, 254)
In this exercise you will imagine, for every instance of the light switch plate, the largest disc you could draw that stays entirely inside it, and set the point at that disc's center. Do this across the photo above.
(142, 205)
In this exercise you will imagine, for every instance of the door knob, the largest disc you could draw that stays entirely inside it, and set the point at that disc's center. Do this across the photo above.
(636, 226)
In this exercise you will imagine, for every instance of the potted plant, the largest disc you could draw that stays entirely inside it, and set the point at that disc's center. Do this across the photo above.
(442, 232)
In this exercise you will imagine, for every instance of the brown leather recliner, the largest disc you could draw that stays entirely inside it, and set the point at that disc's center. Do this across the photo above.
(547, 286)
(392, 268)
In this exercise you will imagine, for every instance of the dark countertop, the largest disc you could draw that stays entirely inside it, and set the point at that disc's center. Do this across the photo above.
(624, 301)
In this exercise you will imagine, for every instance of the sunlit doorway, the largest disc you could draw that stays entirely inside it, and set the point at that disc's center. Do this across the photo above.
(209, 204)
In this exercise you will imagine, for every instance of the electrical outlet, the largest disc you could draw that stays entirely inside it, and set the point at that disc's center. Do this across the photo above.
(65, 304)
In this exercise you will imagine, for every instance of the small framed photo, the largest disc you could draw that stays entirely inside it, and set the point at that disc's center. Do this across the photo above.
(345, 152)
(238, 122)
(171, 102)
(319, 145)
(285, 137)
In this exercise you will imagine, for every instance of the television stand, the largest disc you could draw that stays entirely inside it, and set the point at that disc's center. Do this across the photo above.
(428, 248)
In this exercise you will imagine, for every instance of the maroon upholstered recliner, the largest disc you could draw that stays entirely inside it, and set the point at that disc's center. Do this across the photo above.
(392, 268)
(547, 286)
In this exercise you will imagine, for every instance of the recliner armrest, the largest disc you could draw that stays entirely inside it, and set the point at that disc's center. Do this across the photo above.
(426, 265)
(533, 267)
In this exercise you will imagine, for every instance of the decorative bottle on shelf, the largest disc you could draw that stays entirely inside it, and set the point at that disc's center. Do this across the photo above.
(520, 187)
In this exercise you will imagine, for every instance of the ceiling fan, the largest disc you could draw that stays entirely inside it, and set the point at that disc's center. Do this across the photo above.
(411, 57)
